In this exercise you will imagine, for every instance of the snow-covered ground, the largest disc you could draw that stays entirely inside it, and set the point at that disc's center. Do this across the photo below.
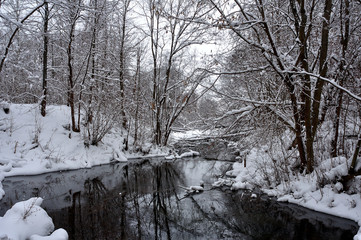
(176, 136)
(319, 191)
(32, 144)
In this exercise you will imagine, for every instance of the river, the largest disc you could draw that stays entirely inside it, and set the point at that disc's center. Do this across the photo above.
(144, 199)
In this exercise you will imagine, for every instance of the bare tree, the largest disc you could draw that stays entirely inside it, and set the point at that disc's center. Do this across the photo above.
(74, 15)
(170, 36)
(122, 69)
(296, 48)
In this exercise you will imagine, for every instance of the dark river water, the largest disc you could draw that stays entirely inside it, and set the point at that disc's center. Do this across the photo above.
(143, 200)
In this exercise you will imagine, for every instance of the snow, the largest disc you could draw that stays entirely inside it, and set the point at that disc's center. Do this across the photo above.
(223, 182)
(183, 155)
(32, 144)
(176, 136)
(319, 191)
(240, 112)
(196, 188)
(331, 81)
(193, 189)
(27, 220)
(59, 234)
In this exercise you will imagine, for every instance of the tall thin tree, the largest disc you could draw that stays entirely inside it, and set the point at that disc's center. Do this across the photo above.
(45, 59)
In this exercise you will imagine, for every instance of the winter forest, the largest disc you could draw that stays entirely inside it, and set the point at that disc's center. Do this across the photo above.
(278, 82)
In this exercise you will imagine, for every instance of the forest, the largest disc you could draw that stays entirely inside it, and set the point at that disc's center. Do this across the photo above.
(248, 70)
(280, 81)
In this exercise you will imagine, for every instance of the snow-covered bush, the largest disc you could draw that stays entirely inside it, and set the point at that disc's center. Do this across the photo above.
(103, 117)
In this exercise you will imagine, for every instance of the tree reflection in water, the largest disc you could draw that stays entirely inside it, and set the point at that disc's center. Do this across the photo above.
(143, 200)
(135, 209)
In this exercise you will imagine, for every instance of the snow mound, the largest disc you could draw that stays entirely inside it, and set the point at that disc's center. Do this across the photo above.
(27, 220)
(59, 234)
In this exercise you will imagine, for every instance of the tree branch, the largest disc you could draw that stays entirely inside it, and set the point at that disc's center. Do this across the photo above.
(14, 33)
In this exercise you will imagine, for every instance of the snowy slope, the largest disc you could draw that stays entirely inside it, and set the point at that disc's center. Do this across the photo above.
(32, 144)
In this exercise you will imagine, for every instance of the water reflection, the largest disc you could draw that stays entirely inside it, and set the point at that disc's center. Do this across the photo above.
(143, 200)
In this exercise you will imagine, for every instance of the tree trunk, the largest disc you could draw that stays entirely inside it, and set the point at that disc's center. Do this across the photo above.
(345, 31)
(71, 91)
(45, 59)
(122, 64)
(323, 66)
(154, 32)
(306, 89)
(137, 93)
(93, 61)
(71, 83)
(297, 120)
(355, 155)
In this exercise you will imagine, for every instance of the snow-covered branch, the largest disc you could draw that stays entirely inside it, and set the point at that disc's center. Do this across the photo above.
(238, 72)
(14, 33)
(332, 82)
(241, 112)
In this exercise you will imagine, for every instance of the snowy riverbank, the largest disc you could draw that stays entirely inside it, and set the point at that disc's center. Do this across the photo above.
(320, 191)
(32, 144)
